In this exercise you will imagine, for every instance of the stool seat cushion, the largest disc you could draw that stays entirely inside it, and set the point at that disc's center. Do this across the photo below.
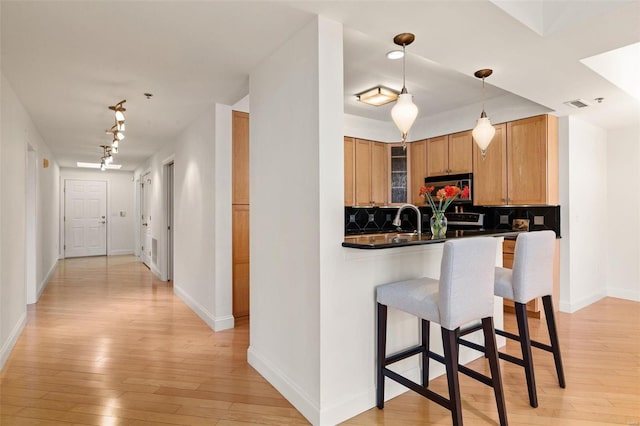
(503, 285)
(418, 297)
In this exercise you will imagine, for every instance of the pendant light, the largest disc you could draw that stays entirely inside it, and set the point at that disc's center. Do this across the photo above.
(483, 132)
(404, 112)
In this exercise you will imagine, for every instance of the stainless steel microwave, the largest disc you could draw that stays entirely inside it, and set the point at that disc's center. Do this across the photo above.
(460, 180)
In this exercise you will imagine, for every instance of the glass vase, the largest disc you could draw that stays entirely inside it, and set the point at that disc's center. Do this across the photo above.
(438, 224)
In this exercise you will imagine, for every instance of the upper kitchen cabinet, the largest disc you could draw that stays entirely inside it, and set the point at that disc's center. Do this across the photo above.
(399, 170)
(371, 173)
(490, 173)
(240, 158)
(349, 171)
(450, 154)
(532, 161)
(417, 170)
(521, 164)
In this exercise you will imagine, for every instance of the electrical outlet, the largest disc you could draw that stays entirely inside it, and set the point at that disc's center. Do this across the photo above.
(504, 219)
(538, 220)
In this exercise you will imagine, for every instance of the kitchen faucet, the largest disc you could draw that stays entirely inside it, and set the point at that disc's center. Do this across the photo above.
(398, 222)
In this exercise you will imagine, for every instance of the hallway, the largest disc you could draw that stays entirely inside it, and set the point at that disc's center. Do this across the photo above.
(109, 344)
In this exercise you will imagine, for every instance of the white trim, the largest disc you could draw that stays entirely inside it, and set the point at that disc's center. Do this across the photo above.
(283, 384)
(571, 307)
(623, 293)
(45, 281)
(120, 252)
(12, 339)
(216, 324)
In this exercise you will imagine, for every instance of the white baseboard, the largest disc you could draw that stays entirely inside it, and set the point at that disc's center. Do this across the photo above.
(296, 396)
(574, 306)
(8, 345)
(45, 281)
(216, 324)
(347, 408)
(623, 293)
(120, 252)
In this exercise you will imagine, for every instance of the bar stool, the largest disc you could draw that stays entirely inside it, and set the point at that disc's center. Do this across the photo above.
(463, 293)
(530, 278)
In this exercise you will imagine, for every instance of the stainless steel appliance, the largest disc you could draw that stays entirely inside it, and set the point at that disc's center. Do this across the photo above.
(460, 180)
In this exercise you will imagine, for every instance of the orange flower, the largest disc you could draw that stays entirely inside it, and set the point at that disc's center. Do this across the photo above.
(425, 190)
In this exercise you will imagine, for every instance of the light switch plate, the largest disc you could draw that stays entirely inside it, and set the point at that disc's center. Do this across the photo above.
(504, 219)
(371, 217)
(538, 220)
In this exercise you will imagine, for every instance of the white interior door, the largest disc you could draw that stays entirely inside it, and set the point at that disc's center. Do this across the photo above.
(85, 218)
(145, 215)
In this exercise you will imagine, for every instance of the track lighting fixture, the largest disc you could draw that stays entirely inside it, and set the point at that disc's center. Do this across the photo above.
(119, 110)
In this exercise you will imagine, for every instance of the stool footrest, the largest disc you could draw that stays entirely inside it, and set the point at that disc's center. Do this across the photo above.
(404, 354)
(427, 393)
(464, 369)
(515, 337)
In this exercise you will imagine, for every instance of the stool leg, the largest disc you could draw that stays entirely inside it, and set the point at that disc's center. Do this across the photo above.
(527, 358)
(496, 378)
(553, 337)
(425, 352)
(450, 345)
(381, 356)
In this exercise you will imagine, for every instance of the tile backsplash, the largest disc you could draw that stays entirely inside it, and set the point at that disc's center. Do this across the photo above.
(378, 219)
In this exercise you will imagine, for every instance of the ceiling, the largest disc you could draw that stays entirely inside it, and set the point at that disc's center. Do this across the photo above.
(67, 61)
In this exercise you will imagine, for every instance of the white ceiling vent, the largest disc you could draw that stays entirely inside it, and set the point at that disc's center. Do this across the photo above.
(578, 103)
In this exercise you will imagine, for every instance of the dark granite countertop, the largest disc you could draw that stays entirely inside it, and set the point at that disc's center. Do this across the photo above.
(403, 239)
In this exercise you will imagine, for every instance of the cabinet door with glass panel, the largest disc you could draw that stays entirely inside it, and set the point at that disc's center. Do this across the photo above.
(399, 173)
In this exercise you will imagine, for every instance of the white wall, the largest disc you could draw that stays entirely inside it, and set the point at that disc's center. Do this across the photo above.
(202, 215)
(623, 201)
(284, 247)
(18, 132)
(586, 220)
(120, 198)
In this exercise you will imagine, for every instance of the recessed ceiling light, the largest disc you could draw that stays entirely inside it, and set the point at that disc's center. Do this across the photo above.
(97, 165)
(395, 54)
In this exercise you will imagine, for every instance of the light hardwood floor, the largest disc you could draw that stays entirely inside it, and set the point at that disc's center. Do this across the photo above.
(108, 344)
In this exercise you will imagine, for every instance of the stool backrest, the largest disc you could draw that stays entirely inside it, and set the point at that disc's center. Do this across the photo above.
(533, 265)
(466, 280)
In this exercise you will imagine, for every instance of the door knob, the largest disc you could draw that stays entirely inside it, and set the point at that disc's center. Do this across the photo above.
(103, 221)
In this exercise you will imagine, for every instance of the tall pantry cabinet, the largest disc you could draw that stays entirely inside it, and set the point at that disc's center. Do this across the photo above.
(240, 213)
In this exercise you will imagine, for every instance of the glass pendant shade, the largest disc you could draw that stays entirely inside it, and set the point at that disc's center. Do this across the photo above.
(103, 166)
(114, 145)
(120, 126)
(404, 114)
(483, 133)
(119, 136)
(119, 115)
(114, 149)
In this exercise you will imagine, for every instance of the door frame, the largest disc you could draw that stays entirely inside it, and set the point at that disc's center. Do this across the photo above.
(31, 222)
(141, 209)
(168, 168)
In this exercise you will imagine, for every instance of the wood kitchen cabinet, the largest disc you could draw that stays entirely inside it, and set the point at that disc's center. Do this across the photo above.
(399, 173)
(240, 158)
(240, 213)
(532, 160)
(450, 154)
(417, 170)
(371, 173)
(490, 173)
(349, 171)
(521, 164)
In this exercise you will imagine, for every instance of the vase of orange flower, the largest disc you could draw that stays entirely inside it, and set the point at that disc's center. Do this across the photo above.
(439, 203)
